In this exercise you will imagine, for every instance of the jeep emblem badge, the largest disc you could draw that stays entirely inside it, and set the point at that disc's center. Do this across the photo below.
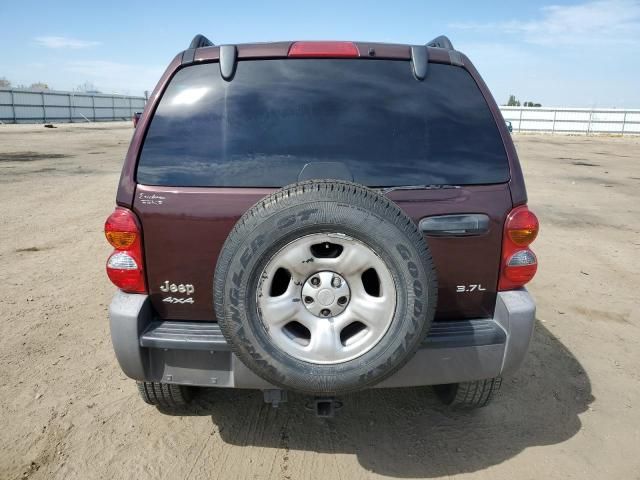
(177, 288)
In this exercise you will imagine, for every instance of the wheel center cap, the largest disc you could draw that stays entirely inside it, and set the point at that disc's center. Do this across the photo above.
(325, 294)
(326, 297)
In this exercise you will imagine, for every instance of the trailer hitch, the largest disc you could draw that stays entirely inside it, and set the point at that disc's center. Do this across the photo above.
(324, 407)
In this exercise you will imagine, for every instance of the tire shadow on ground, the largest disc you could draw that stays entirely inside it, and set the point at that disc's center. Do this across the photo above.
(406, 432)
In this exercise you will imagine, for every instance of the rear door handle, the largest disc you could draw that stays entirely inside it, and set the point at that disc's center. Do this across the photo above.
(460, 225)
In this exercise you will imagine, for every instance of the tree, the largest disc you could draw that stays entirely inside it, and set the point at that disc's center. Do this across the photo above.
(513, 101)
(39, 86)
(87, 87)
(531, 104)
(4, 83)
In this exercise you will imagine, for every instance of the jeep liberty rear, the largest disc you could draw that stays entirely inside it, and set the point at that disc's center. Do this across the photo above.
(395, 255)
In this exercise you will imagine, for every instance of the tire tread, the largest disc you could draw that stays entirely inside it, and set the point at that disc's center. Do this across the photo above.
(164, 394)
(469, 395)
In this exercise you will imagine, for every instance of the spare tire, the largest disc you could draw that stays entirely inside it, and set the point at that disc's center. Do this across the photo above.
(325, 287)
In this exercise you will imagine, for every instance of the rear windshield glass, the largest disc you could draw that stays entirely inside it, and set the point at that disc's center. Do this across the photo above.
(370, 118)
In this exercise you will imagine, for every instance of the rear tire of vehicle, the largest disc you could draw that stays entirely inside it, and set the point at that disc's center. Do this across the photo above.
(349, 214)
(165, 395)
(468, 395)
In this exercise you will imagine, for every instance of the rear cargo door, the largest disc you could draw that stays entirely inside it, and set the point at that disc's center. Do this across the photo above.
(214, 148)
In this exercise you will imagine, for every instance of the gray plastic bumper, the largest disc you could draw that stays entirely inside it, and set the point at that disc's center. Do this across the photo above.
(196, 353)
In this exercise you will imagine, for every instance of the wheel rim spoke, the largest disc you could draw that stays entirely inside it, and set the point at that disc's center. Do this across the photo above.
(373, 312)
(325, 340)
(297, 260)
(355, 259)
(278, 311)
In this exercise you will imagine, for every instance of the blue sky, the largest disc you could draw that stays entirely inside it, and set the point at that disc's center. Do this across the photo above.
(578, 53)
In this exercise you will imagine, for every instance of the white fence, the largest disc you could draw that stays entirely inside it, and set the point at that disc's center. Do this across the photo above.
(584, 121)
(28, 106)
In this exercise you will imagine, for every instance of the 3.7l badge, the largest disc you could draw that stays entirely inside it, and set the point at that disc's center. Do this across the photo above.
(473, 287)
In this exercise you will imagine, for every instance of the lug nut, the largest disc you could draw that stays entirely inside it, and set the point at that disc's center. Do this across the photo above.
(335, 282)
(342, 300)
(308, 299)
(315, 281)
(325, 312)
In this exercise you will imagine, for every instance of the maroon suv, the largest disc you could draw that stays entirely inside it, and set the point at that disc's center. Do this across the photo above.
(395, 255)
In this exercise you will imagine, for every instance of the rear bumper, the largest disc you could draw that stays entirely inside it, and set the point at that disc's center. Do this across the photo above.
(193, 353)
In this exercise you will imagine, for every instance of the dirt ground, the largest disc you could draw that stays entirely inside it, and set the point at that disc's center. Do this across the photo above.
(67, 411)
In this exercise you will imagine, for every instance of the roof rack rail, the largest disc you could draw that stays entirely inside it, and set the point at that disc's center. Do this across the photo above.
(441, 42)
(200, 41)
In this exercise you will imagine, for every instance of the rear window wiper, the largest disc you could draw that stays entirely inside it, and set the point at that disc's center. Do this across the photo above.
(386, 190)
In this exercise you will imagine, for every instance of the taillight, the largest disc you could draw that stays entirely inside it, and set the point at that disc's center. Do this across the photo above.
(522, 226)
(125, 266)
(324, 49)
(519, 264)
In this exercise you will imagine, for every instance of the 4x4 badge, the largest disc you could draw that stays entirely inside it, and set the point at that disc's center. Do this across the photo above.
(178, 300)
